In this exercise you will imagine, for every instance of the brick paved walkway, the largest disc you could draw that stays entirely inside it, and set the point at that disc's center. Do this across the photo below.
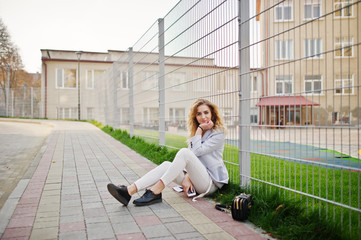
(66, 196)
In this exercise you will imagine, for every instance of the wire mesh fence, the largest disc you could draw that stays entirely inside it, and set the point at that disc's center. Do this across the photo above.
(285, 75)
(311, 66)
(21, 102)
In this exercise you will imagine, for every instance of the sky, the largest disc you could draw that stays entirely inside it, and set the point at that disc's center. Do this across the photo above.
(87, 25)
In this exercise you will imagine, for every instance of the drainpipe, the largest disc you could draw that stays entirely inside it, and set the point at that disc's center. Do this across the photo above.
(260, 107)
(267, 29)
(46, 89)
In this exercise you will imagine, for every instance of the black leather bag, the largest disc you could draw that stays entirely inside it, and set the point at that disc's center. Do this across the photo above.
(240, 207)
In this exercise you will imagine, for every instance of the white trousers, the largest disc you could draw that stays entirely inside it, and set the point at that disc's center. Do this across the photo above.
(173, 172)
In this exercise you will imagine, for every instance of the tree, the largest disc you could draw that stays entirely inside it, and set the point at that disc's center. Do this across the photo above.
(11, 66)
(9, 58)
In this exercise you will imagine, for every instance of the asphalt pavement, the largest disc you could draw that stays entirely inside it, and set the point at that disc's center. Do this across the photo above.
(20, 144)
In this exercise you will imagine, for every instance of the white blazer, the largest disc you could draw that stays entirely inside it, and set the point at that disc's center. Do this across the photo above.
(209, 150)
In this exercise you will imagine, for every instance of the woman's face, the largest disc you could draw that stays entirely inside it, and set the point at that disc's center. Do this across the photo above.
(203, 114)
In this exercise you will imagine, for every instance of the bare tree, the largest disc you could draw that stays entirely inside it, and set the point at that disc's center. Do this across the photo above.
(10, 67)
(9, 58)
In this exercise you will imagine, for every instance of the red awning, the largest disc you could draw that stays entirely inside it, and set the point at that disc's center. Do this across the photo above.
(285, 101)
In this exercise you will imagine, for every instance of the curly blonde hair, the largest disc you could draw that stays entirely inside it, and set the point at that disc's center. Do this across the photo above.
(217, 118)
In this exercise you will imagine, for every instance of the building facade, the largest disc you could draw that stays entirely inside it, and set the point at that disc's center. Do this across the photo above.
(105, 88)
(60, 82)
(310, 53)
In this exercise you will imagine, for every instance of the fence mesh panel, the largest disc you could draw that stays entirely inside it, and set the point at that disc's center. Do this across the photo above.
(295, 93)
(21, 102)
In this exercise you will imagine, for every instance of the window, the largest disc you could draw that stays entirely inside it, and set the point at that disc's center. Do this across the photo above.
(177, 116)
(343, 46)
(93, 76)
(343, 8)
(283, 85)
(313, 84)
(202, 83)
(151, 116)
(254, 84)
(254, 115)
(66, 78)
(283, 49)
(312, 9)
(283, 11)
(176, 81)
(344, 84)
(313, 48)
(150, 81)
(67, 113)
(123, 81)
(293, 115)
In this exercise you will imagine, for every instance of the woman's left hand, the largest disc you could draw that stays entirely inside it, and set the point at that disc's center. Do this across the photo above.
(207, 125)
(204, 127)
(187, 184)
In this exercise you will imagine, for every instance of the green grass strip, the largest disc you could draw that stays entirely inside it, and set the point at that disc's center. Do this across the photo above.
(282, 218)
(153, 152)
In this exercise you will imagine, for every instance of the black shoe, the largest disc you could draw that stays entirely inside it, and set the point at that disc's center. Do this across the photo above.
(120, 193)
(148, 198)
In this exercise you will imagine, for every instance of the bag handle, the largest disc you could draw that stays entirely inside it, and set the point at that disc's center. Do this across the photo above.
(222, 207)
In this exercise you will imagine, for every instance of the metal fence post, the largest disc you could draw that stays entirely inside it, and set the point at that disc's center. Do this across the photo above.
(32, 102)
(116, 79)
(244, 93)
(13, 103)
(7, 99)
(24, 99)
(161, 82)
(105, 92)
(8, 92)
(131, 93)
